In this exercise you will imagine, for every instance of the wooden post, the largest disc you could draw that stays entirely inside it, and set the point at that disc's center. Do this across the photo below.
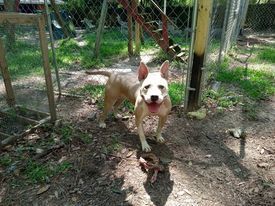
(200, 44)
(130, 30)
(46, 66)
(100, 27)
(6, 76)
(165, 31)
(137, 30)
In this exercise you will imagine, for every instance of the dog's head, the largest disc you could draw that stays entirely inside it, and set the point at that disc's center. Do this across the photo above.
(154, 85)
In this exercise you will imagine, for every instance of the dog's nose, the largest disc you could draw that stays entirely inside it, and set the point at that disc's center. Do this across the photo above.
(154, 98)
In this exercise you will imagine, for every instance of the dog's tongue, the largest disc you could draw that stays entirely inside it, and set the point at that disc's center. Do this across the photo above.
(153, 107)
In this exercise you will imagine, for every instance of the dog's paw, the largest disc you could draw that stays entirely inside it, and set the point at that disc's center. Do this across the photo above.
(160, 139)
(145, 147)
(102, 125)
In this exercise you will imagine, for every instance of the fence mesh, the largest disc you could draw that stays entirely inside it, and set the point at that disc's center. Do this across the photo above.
(24, 61)
(74, 41)
(75, 23)
(260, 18)
(164, 33)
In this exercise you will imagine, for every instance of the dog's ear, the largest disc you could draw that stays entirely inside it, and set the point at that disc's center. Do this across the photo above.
(164, 69)
(142, 71)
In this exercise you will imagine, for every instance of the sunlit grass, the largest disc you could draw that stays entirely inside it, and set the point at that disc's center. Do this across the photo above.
(257, 84)
(267, 54)
(176, 93)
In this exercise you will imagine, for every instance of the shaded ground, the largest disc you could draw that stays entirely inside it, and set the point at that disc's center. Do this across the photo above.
(204, 164)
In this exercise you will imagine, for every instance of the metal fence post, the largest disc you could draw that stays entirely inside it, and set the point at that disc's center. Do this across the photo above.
(224, 30)
(52, 47)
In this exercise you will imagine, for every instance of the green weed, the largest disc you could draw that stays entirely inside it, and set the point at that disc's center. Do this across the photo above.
(115, 145)
(127, 104)
(176, 91)
(251, 110)
(66, 133)
(267, 54)
(223, 98)
(39, 173)
(94, 91)
(86, 139)
(5, 160)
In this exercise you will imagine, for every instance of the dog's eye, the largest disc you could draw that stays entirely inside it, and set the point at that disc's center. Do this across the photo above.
(161, 87)
(147, 86)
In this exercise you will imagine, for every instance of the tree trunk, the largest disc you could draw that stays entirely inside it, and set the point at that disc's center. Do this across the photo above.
(59, 19)
(10, 6)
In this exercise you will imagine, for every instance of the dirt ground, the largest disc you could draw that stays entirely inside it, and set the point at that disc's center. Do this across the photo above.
(203, 163)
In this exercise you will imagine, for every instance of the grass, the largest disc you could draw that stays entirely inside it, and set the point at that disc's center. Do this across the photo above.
(70, 51)
(24, 60)
(39, 172)
(113, 46)
(222, 98)
(5, 160)
(65, 132)
(176, 91)
(246, 87)
(114, 146)
(94, 91)
(256, 84)
(85, 138)
(97, 93)
(251, 109)
(267, 55)
(260, 54)
(35, 172)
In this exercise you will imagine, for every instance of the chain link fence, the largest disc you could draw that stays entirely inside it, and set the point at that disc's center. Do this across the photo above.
(215, 40)
(260, 18)
(72, 25)
(164, 32)
(21, 62)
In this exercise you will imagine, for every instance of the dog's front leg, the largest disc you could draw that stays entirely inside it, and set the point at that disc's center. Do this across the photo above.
(162, 120)
(144, 145)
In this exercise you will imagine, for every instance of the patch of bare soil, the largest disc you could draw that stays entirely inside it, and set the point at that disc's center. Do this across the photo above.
(203, 164)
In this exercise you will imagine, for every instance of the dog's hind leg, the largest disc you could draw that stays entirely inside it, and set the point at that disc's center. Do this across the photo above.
(118, 102)
(162, 120)
(109, 101)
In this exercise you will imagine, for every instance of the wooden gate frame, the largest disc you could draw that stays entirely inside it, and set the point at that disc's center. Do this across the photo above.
(39, 21)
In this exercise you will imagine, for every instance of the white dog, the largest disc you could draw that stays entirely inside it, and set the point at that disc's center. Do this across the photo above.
(147, 91)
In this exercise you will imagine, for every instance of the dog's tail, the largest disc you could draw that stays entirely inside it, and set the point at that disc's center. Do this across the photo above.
(104, 73)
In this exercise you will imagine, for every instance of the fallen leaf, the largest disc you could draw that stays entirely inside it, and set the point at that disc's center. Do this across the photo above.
(199, 114)
(43, 189)
(39, 150)
(180, 193)
(56, 194)
(208, 156)
(129, 154)
(263, 165)
(123, 150)
(237, 132)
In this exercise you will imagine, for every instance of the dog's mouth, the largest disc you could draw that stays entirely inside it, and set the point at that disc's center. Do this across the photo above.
(153, 107)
